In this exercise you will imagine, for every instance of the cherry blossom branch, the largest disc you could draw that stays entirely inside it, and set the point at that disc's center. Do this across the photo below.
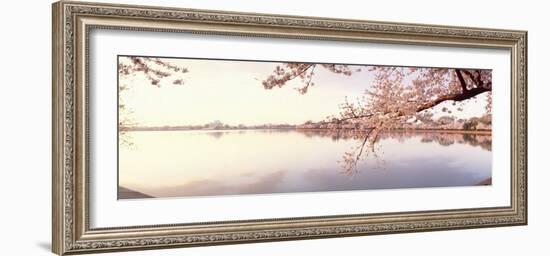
(463, 84)
(289, 71)
(304, 89)
(154, 69)
(453, 97)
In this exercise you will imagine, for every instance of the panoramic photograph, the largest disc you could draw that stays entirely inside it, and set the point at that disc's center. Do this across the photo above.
(215, 127)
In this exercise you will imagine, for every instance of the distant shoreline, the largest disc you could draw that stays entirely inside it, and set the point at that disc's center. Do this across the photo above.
(480, 132)
(125, 193)
(160, 129)
(488, 132)
(486, 182)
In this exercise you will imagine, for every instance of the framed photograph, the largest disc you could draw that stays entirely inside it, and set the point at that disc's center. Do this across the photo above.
(178, 127)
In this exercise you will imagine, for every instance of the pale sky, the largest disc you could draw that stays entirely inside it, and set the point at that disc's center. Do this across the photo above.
(231, 91)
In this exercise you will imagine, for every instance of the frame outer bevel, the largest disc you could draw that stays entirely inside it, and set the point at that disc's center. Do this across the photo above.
(71, 233)
(57, 129)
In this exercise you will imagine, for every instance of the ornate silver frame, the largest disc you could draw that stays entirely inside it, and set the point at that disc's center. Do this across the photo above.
(72, 21)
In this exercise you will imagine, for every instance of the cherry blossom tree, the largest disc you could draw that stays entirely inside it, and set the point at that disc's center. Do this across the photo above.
(154, 70)
(397, 96)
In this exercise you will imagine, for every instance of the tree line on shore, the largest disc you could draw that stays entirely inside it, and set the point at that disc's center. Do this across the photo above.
(442, 123)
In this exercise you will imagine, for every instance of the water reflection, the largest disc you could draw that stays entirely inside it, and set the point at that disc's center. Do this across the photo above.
(443, 138)
(198, 163)
(352, 157)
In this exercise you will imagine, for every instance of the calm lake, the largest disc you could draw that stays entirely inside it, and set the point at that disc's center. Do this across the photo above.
(208, 163)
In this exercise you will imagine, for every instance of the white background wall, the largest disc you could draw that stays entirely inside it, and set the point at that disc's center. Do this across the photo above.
(25, 149)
